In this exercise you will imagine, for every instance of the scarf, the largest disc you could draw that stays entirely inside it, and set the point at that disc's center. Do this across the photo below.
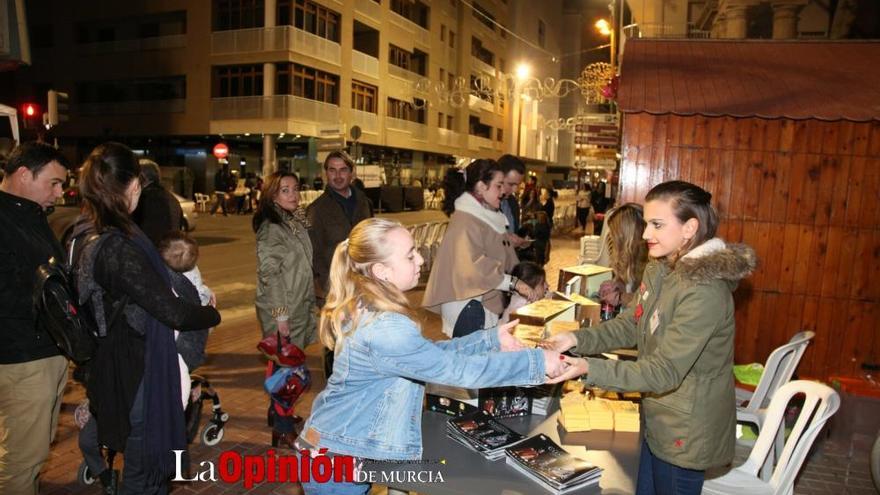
(163, 416)
(467, 203)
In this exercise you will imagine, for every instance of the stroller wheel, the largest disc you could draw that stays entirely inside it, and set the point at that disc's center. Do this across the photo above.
(212, 434)
(84, 475)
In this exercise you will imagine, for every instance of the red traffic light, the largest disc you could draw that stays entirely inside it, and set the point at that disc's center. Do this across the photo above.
(30, 109)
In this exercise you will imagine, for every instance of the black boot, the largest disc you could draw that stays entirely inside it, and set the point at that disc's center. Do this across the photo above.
(109, 481)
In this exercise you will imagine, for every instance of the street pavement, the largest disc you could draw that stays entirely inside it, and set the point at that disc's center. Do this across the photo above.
(236, 370)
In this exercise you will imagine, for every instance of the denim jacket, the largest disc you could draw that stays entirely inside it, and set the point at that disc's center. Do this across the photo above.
(372, 405)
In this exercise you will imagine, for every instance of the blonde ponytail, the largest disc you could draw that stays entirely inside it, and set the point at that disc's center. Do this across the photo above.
(354, 293)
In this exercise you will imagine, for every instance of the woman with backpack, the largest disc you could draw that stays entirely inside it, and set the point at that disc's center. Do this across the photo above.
(134, 384)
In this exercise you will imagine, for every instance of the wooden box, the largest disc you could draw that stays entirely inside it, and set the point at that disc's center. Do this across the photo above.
(583, 279)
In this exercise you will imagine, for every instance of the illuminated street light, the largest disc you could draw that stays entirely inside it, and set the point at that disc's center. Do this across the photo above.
(522, 71)
(604, 27)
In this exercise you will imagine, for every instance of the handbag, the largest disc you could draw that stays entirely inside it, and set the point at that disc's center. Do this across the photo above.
(287, 376)
(281, 351)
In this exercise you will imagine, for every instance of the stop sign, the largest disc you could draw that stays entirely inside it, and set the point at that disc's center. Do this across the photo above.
(221, 150)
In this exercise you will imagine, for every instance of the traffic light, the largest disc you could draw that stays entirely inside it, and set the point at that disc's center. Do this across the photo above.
(58, 108)
(30, 115)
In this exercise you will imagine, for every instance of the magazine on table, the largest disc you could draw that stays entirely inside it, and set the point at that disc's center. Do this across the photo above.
(482, 433)
(548, 464)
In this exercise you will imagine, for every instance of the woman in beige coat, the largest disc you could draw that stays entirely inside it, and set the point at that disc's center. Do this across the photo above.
(472, 267)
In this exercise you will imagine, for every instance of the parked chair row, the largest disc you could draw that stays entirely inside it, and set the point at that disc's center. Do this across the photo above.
(427, 238)
(564, 216)
(434, 200)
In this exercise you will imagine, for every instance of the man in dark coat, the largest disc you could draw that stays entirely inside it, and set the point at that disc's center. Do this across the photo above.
(158, 211)
(33, 372)
(332, 216)
(514, 170)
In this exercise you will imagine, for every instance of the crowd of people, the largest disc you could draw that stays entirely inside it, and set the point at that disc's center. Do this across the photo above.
(333, 273)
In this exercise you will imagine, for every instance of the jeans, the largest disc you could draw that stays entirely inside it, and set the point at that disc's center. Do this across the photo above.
(334, 488)
(657, 477)
(471, 319)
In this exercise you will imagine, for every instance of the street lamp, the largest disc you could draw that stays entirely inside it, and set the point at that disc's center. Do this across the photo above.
(606, 28)
(522, 74)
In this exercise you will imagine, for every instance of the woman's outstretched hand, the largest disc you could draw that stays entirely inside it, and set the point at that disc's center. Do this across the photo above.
(573, 368)
(506, 338)
(560, 342)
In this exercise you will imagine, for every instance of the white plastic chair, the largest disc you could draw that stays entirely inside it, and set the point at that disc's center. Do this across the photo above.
(780, 366)
(820, 403)
(201, 201)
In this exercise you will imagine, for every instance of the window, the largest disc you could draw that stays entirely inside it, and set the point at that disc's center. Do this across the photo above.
(364, 97)
(483, 16)
(541, 33)
(238, 80)
(499, 134)
(442, 74)
(126, 90)
(440, 120)
(451, 80)
(399, 57)
(404, 110)
(310, 17)
(442, 32)
(237, 14)
(412, 10)
(449, 122)
(416, 62)
(477, 128)
(306, 82)
(451, 39)
(481, 53)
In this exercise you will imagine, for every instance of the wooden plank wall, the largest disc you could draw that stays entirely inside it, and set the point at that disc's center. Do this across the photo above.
(806, 196)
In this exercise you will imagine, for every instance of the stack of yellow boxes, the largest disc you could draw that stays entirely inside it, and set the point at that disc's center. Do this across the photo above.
(579, 412)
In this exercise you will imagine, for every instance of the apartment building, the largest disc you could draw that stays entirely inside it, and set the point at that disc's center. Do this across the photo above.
(285, 79)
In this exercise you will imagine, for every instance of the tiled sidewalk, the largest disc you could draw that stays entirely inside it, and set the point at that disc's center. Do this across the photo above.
(236, 371)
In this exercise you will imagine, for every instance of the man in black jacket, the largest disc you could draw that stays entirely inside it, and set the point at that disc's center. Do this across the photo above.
(158, 211)
(32, 371)
(514, 170)
(332, 216)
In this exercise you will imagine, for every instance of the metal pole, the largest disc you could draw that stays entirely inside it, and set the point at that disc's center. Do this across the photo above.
(519, 125)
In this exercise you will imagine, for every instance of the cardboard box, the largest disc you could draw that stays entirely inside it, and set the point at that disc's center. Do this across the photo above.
(583, 279)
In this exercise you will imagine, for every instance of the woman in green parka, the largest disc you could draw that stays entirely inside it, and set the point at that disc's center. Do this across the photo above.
(285, 292)
(682, 321)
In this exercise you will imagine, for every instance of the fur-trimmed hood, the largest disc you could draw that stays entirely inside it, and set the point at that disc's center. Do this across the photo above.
(717, 260)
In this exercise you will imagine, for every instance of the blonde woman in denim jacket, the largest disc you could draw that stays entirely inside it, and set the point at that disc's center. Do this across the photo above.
(383, 361)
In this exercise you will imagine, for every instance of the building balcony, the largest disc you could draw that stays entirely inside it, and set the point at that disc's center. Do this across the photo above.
(482, 66)
(420, 34)
(447, 137)
(477, 103)
(278, 38)
(132, 107)
(365, 64)
(367, 121)
(274, 107)
(478, 142)
(404, 74)
(417, 130)
(135, 45)
(369, 8)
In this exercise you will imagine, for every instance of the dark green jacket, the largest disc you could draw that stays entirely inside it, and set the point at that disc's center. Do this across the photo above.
(284, 278)
(682, 322)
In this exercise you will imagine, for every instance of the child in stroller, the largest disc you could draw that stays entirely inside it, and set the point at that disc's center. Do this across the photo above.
(180, 253)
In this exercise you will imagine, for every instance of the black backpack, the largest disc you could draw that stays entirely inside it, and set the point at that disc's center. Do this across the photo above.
(57, 310)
